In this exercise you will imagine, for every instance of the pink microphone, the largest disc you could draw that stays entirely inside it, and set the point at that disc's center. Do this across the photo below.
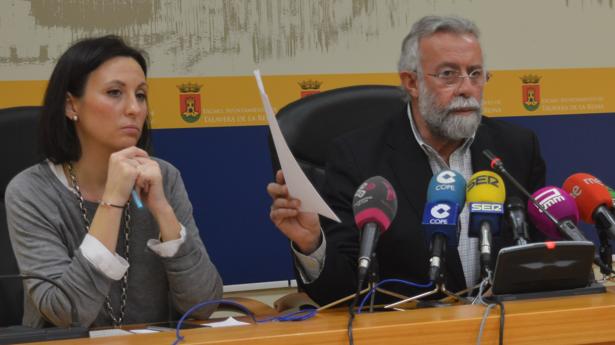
(557, 202)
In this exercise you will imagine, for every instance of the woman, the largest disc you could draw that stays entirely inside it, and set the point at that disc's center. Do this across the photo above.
(70, 217)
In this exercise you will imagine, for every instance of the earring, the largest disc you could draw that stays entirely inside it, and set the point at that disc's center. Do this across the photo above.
(75, 118)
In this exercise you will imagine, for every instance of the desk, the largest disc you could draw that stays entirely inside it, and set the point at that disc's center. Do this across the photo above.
(564, 320)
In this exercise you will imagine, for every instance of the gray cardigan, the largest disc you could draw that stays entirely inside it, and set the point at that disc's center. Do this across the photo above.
(46, 228)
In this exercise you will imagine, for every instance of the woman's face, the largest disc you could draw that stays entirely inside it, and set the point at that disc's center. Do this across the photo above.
(113, 107)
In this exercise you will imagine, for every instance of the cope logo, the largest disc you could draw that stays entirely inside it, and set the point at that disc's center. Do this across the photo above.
(446, 177)
(550, 197)
(440, 211)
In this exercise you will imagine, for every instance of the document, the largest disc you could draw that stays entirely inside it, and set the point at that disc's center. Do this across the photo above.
(298, 184)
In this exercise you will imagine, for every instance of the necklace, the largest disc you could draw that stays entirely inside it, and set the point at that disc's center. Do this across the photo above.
(117, 321)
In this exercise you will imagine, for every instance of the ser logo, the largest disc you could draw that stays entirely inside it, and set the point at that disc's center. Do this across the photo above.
(483, 179)
(486, 207)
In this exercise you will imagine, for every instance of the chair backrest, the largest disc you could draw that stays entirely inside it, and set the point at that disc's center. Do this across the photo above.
(311, 123)
(18, 150)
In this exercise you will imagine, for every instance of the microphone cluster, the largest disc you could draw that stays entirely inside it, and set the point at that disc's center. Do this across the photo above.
(554, 211)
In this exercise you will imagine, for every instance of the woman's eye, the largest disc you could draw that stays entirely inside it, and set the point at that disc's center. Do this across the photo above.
(142, 96)
(114, 93)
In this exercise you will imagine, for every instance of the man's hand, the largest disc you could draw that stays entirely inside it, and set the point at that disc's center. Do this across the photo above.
(303, 228)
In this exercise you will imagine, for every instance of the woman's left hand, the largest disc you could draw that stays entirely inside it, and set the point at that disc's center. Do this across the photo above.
(149, 184)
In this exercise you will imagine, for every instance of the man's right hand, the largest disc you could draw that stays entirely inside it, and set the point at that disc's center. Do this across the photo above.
(303, 228)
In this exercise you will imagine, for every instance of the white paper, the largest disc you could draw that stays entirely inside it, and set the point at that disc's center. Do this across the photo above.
(143, 331)
(229, 322)
(108, 333)
(298, 184)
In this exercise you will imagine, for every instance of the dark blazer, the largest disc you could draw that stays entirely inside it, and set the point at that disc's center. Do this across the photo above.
(390, 150)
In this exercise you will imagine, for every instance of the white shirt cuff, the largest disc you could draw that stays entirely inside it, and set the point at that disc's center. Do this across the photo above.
(310, 266)
(110, 264)
(167, 249)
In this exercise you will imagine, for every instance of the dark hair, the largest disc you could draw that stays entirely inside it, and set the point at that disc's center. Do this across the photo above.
(57, 136)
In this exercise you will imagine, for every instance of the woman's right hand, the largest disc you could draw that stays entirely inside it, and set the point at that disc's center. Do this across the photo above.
(303, 228)
(121, 175)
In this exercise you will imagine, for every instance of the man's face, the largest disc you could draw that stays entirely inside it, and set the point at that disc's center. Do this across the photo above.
(451, 107)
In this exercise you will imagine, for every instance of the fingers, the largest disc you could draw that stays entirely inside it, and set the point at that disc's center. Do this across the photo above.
(148, 173)
(279, 177)
(277, 190)
(285, 203)
(132, 152)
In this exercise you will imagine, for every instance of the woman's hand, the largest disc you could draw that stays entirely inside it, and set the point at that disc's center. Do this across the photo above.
(122, 174)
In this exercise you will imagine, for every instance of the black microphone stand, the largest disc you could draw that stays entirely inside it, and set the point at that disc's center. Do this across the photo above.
(440, 287)
(605, 251)
(373, 279)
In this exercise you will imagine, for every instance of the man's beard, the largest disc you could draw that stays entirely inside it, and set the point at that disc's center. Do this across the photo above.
(441, 120)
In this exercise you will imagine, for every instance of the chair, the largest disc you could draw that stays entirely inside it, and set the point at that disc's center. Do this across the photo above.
(18, 149)
(311, 123)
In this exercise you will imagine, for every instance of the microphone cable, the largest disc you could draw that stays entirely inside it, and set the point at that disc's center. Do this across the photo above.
(480, 299)
(299, 315)
(386, 281)
(353, 305)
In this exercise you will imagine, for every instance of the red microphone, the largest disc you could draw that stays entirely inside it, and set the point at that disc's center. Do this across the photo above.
(593, 200)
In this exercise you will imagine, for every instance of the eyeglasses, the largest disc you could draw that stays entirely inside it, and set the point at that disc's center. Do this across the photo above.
(451, 77)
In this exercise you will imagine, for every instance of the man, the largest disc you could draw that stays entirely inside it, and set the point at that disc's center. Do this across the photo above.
(442, 72)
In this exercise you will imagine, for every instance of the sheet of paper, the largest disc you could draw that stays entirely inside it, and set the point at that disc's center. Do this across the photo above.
(143, 331)
(298, 184)
(229, 322)
(108, 333)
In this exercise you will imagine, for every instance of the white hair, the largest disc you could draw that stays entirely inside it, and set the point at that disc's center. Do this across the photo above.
(427, 26)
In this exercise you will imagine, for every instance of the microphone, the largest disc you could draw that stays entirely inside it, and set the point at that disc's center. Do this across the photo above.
(612, 192)
(22, 334)
(486, 193)
(561, 206)
(445, 199)
(374, 206)
(515, 213)
(593, 200)
(567, 227)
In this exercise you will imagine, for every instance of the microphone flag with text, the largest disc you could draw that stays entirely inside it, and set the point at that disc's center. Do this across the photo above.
(593, 200)
(485, 196)
(561, 205)
(445, 200)
(374, 206)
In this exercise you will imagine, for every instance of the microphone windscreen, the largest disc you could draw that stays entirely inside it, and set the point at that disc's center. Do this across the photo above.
(612, 192)
(447, 185)
(589, 193)
(557, 202)
(486, 186)
(375, 201)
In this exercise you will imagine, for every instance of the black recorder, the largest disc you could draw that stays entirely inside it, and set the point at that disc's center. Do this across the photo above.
(546, 269)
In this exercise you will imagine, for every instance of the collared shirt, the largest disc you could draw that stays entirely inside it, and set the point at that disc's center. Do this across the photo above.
(310, 266)
(461, 161)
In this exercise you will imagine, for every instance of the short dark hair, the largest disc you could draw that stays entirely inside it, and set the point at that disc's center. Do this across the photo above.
(57, 135)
